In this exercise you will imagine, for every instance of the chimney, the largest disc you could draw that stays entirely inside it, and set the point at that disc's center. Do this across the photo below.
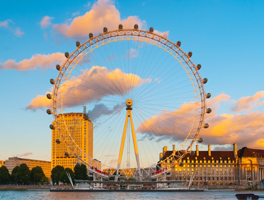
(209, 150)
(173, 149)
(235, 149)
(161, 156)
(197, 150)
(164, 150)
(84, 109)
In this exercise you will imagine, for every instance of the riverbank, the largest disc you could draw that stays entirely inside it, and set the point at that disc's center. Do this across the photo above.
(48, 187)
(24, 187)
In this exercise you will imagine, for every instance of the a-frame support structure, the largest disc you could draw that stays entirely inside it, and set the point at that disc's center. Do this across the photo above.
(129, 103)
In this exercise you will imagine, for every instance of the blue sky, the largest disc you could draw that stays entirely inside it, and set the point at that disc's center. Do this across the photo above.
(226, 37)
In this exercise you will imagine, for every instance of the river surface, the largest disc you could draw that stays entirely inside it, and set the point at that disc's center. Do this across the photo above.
(45, 194)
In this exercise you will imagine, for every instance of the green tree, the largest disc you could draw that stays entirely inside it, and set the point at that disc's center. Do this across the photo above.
(55, 174)
(64, 178)
(44, 179)
(14, 174)
(80, 172)
(36, 174)
(4, 175)
(23, 174)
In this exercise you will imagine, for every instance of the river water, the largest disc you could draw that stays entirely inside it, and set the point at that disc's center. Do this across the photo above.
(46, 195)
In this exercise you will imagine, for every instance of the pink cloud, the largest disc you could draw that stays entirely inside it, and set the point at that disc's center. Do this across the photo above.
(38, 60)
(248, 103)
(164, 34)
(46, 21)
(25, 154)
(92, 85)
(5, 23)
(102, 14)
(227, 128)
(18, 32)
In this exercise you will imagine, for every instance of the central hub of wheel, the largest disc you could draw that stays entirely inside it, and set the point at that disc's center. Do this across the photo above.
(129, 103)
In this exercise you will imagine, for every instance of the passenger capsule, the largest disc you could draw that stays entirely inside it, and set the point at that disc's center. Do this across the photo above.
(205, 80)
(90, 35)
(178, 44)
(151, 30)
(120, 26)
(208, 110)
(58, 67)
(66, 154)
(49, 96)
(181, 164)
(67, 55)
(105, 30)
(136, 26)
(192, 153)
(78, 44)
(52, 81)
(206, 125)
(190, 54)
(57, 141)
(49, 111)
(52, 127)
(198, 66)
(200, 140)
(208, 95)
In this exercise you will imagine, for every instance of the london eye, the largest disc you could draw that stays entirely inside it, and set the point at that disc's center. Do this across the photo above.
(141, 91)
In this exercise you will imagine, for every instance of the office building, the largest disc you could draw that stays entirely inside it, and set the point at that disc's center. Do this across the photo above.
(12, 162)
(75, 129)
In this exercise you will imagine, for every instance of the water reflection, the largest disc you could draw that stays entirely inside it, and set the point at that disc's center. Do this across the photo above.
(46, 195)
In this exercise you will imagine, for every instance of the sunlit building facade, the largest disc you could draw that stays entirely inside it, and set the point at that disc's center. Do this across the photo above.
(12, 162)
(216, 167)
(2, 163)
(81, 130)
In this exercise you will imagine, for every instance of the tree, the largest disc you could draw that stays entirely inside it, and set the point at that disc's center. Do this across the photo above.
(44, 179)
(64, 178)
(23, 174)
(14, 174)
(80, 172)
(4, 175)
(36, 174)
(55, 173)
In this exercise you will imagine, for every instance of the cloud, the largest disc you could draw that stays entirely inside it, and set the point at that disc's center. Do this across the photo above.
(102, 14)
(131, 53)
(46, 22)
(245, 129)
(75, 13)
(6, 23)
(249, 102)
(18, 32)
(25, 154)
(15, 30)
(164, 34)
(91, 86)
(163, 124)
(37, 60)
(101, 109)
(223, 148)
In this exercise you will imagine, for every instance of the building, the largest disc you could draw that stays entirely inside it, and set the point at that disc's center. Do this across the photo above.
(2, 163)
(250, 165)
(80, 128)
(216, 167)
(12, 162)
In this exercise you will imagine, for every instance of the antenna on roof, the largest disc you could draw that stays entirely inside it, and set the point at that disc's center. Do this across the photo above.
(84, 109)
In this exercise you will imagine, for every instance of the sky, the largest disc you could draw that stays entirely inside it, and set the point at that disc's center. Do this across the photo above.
(226, 37)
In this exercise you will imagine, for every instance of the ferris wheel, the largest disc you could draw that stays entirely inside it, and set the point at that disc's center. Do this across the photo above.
(142, 92)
